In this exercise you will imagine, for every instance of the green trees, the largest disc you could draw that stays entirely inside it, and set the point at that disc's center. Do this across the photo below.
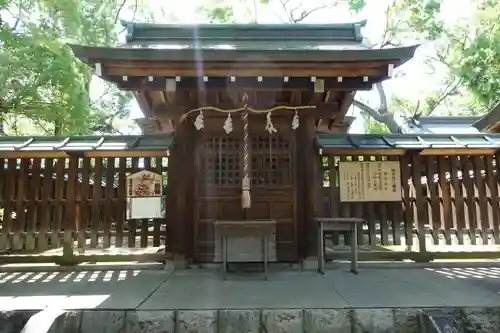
(44, 89)
(465, 53)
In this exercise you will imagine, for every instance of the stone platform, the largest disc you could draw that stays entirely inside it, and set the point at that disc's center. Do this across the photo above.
(198, 300)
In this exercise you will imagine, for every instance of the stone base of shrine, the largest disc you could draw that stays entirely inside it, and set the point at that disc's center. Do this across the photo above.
(291, 300)
(359, 320)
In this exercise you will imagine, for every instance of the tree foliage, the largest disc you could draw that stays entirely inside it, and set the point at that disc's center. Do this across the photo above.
(473, 52)
(44, 87)
(466, 51)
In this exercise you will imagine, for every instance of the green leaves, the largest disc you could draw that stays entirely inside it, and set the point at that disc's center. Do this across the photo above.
(43, 84)
(356, 5)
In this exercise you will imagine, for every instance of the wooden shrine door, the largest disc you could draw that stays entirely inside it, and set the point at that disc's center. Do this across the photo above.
(220, 170)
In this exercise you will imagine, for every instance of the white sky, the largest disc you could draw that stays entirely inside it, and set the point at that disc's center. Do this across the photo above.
(413, 85)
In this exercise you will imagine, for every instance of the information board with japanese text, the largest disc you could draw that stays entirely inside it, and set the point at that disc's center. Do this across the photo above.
(370, 181)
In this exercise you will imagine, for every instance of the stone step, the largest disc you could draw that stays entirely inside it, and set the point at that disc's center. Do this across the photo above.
(407, 320)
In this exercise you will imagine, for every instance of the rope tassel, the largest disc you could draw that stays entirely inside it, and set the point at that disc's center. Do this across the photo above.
(198, 123)
(269, 124)
(295, 120)
(228, 124)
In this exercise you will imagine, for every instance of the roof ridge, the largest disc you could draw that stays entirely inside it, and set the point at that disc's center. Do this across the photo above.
(146, 32)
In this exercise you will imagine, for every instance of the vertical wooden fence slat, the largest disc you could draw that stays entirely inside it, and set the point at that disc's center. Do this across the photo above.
(421, 202)
(96, 203)
(358, 209)
(382, 217)
(432, 184)
(32, 204)
(84, 203)
(121, 202)
(334, 197)
(382, 211)
(157, 223)
(46, 203)
(59, 180)
(132, 224)
(470, 196)
(407, 204)
(12, 177)
(21, 201)
(145, 222)
(70, 206)
(459, 198)
(396, 214)
(3, 202)
(493, 186)
(108, 202)
(345, 208)
(372, 229)
(483, 199)
(444, 183)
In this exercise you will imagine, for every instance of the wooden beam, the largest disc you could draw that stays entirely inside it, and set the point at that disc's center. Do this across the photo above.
(343, 108)
(245, 69)
(95, 153)
(277, 83)
(458, 151)
(244, 64)
(174, 112)
(364, 151)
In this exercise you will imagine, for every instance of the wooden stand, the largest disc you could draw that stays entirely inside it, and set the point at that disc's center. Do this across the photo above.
(245, 228)
(338, 224)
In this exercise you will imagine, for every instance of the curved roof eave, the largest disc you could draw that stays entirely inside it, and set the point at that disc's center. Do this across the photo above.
(92, 54)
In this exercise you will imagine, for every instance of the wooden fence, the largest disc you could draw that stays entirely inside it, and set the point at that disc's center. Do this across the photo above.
(76, 203)
(446, 200)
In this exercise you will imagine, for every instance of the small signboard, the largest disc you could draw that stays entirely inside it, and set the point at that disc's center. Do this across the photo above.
(370, 181)
(145, 198)
(144, 184)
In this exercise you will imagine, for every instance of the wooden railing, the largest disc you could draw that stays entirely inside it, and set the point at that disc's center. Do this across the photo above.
(446, 200)
(79, 202)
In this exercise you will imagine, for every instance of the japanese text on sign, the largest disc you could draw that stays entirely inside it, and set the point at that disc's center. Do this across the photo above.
(370, 181)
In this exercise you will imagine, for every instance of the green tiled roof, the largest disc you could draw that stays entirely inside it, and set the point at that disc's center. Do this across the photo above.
(407, 141)
(230, 33)
(86, 143)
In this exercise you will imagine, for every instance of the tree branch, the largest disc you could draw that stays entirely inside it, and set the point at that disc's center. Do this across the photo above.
(386, 118)
(119, 10)
(450, 89)
(367, 110)
(304, 14)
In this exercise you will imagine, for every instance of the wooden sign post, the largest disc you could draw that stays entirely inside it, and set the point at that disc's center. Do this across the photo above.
(145, 195)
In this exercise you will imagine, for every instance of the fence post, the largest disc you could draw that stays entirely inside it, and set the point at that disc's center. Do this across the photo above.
(70, 216)
(422, 217)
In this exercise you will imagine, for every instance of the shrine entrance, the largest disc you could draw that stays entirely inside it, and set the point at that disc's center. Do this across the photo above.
(221, 169)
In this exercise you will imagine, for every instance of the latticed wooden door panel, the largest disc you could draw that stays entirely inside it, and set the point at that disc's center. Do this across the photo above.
(221, 165)
(271, 160)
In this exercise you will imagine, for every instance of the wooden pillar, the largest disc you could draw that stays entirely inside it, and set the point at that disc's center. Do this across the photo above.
(181, 193)
(306, 186)
(190, 179)
(175, 196)
(312, 187)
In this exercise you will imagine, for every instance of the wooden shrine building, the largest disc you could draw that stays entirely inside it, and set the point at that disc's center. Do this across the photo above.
(245, 104)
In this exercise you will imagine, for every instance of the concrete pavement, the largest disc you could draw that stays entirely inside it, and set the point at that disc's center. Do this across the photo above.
(198, 300)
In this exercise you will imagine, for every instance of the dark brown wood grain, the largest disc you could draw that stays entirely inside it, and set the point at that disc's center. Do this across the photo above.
(96, 215)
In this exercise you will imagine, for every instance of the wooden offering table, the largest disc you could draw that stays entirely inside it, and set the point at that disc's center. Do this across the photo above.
(338, 224)
(245, 228)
